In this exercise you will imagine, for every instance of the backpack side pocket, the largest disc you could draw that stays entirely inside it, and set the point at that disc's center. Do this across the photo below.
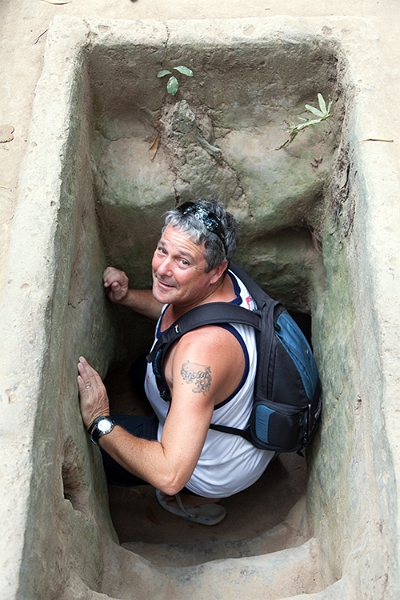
(279, 427)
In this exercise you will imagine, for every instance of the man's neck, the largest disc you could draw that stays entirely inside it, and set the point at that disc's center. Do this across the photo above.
(222, 292)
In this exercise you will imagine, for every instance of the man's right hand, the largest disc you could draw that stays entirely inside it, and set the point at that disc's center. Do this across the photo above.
(116, 283)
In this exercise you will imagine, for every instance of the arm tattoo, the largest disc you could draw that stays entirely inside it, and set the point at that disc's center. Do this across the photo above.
(197, 375)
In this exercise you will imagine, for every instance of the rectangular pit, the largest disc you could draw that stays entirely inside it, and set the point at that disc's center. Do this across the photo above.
(91, 195)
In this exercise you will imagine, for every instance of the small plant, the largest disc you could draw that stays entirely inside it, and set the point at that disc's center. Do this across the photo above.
(173, 83)
(323, 113)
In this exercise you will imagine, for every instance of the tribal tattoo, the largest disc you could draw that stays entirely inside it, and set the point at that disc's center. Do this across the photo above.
(197, 375)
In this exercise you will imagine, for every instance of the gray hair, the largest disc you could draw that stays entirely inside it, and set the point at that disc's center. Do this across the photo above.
(218, 246)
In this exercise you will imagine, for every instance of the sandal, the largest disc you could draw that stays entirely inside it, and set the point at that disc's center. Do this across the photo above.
(207, 514)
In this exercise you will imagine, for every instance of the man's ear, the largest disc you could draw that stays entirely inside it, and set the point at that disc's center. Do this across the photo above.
(219, 271)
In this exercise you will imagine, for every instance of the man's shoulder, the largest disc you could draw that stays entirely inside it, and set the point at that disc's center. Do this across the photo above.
(212, 347)
(209, 341)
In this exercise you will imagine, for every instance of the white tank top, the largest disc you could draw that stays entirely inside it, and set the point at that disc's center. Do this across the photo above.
(228, 463)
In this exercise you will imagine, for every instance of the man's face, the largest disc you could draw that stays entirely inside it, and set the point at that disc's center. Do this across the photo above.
(178, 265)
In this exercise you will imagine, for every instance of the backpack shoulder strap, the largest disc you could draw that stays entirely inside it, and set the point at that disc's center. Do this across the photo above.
(213, 313)
(269, 311)
(206, 314)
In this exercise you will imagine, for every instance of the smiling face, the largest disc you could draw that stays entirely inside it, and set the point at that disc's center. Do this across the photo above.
(179, 276)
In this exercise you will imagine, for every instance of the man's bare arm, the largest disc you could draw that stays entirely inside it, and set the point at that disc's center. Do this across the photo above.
(168, 464)
(116, 284)
(206, 368)
(143, 302)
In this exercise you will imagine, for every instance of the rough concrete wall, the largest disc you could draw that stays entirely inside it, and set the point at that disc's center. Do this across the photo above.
(353, 488)
(54, 294)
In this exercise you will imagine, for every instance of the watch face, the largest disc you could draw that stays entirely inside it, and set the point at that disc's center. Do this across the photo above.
(104, 426)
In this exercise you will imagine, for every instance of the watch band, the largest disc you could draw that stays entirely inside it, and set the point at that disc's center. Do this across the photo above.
(90, 427)
(95, 432)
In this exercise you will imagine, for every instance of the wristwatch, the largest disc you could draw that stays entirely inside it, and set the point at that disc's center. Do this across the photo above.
(100, 426)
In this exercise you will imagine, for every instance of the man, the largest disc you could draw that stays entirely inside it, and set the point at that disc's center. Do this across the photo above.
(210, 372)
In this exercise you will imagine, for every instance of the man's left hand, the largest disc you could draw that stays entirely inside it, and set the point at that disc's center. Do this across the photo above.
(93, 395)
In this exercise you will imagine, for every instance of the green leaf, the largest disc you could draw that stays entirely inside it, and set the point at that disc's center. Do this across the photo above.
(163, 73)
(184, 71)
(322, 103)
(322, 115)
(172, 85)
(314, 111)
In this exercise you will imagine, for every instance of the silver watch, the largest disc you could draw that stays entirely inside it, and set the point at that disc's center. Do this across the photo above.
(100, 426)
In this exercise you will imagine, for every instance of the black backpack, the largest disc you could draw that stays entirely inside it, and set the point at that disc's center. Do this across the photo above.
(287, 392)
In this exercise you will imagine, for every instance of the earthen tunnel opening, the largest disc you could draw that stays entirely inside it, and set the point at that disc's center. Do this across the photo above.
(218, 137)
(98, 198)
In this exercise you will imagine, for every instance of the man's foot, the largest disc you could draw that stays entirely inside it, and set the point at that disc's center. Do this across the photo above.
(196, 509)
